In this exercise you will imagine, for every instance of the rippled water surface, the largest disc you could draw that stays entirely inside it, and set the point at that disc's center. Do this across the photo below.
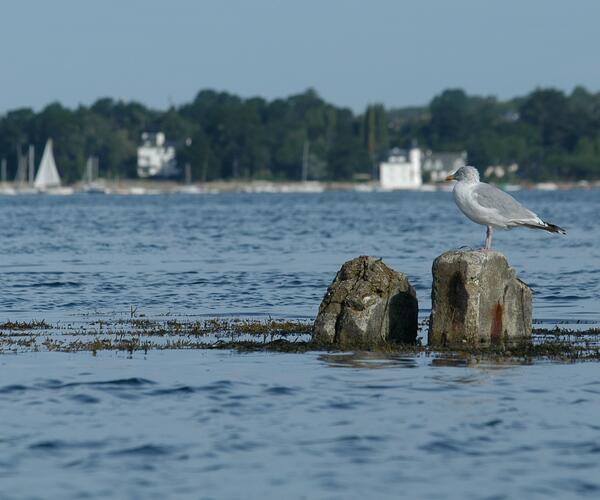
(219, 424)
(261, 254)
(214, 424)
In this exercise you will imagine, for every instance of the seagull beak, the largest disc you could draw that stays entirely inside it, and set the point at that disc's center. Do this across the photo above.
(450, 177)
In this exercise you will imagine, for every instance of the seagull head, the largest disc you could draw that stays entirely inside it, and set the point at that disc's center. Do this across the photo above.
(468, 174)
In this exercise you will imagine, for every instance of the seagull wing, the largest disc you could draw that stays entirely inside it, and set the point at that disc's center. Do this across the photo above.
(505, 206)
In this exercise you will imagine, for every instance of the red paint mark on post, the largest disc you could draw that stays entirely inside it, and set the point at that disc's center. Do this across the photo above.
(496, 332)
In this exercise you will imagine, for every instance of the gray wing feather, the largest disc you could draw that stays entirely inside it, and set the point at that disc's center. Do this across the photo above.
(505, 205)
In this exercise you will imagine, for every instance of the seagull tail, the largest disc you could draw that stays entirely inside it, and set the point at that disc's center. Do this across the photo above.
(547, 226)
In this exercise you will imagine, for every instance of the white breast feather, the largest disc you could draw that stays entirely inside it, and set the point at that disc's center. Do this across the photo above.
(467, 203)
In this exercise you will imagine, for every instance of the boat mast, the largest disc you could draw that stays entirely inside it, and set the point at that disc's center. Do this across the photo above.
(305, 153)
(21, 174)
(96, 168)
(90, 175)
(88, 170)
(188, 174)
(30, 160)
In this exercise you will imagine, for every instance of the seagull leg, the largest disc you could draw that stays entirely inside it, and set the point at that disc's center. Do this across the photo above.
(488, 238)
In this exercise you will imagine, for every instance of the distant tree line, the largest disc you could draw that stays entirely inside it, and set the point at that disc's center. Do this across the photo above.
(551, 135)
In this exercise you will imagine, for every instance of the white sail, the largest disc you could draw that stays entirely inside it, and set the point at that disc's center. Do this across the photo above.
(47, 175)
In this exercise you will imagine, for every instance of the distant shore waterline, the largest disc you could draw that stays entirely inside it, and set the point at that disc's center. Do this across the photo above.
(141, 187)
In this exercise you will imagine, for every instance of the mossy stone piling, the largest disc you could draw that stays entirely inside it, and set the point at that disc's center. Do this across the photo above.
(477, 301)
(367, 304)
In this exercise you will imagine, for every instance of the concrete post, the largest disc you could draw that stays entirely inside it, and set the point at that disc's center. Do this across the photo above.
(477, 300)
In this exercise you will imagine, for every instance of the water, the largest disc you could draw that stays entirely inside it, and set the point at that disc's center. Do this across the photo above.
(269, 254)
(214, 424)
(220, 424)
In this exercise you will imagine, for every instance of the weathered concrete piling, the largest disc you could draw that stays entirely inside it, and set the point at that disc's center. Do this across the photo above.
(477, 300)
(367, 304)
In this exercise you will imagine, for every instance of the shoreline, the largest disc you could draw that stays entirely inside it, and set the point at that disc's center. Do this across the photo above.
(149, 187)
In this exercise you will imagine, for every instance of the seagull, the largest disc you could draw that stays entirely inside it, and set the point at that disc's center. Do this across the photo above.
(491, 207)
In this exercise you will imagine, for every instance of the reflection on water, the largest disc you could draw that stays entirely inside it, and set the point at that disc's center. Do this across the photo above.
(368, 360)
(378, 360)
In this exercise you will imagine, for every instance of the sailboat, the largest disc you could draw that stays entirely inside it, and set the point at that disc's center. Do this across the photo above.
(92, 184)
(47, 179)
(4, 187)
(25, 168)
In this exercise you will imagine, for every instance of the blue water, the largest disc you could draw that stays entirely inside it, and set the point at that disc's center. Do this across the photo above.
(220, 424)
(206, 424)
(269, 254)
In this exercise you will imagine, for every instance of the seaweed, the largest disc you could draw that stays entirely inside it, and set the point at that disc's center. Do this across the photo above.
(137, 333)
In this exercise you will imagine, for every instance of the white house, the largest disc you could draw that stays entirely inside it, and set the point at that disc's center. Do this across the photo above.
(437, 166)
(402, 170)
(155, 158)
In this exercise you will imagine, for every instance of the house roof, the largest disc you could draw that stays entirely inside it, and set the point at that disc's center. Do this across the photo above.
(445, 160)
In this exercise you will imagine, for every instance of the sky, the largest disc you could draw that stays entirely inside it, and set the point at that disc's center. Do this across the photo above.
(395, 52)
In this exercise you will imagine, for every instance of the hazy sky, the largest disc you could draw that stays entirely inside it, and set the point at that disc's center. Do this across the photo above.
(352, 52)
